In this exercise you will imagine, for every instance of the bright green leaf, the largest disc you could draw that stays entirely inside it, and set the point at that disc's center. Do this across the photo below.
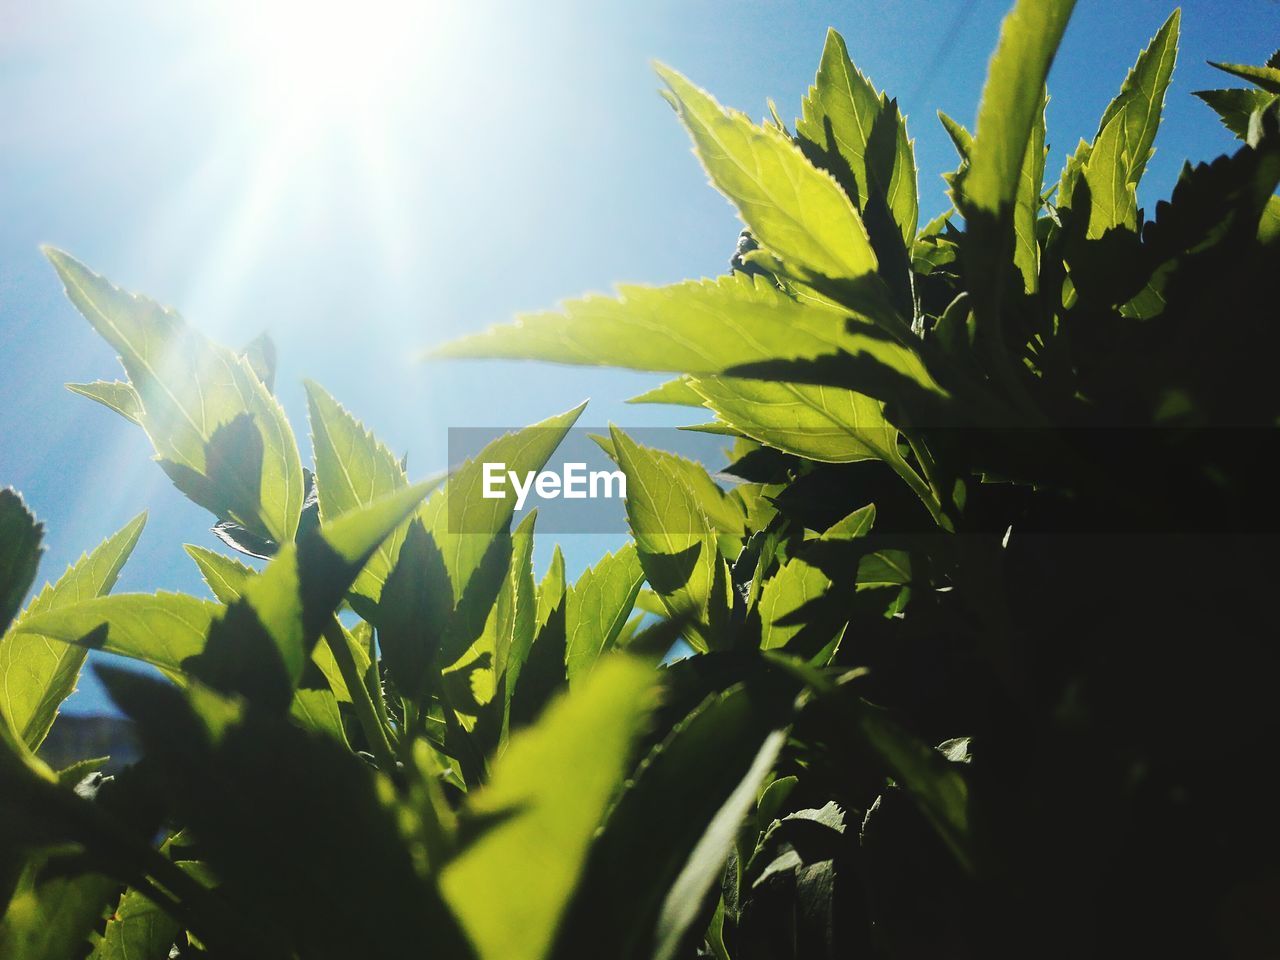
(820, 423)
(219, 433)
(548, 795)
(675, 540)
(114, 395)
(37, 673)
(353, 469)
(794, 209)
(597, 608)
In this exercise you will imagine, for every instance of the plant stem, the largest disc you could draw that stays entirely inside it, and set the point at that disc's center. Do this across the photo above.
(925, 492)
(374, 732)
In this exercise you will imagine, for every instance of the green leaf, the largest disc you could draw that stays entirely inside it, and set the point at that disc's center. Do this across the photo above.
(163, 629)
(1113, 197)
(1235, 106)
(261, 354)
(417, 604)
(794, 209)
(551, 591)
(548, 795)
(462, 521)
(137, 930)
(317, 710)
(1026, 211)
(114, 395)
(1126, 133)
(353, 469)
(675, 541)
(961, 138)
(677, 392)
(844, 114)
(1141, 98)
(820, 423)
(666, 841)
(725, 513)
(524, 601)
(1266, 78)
(225, 575)
(50, 918)
(540, 674)
(219, 433)
(36, 673)
(736, 325)
(935, 783)
(20, 537)
(1013, 93)
(283, 610)
(357, 894)
(798, 583)
(597, 608)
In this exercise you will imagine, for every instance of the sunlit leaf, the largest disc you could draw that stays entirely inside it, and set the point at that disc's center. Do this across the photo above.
(37, 673)
(675, 540)
(353, 468)
(547, 797)
(794, 209)
(597, 608)
(821, 423)
(219, 433)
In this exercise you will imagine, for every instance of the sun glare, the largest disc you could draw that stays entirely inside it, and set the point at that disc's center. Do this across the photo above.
(328, 66)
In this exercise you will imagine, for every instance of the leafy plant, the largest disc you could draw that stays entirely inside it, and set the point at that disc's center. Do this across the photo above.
(389, 740)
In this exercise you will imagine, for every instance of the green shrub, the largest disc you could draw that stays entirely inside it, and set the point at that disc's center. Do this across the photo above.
(1005, 489)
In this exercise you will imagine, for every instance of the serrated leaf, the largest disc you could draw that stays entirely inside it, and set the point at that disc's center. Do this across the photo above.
(676, 392)
(842, 112)
(820, 423)
(1234, 106)
(1141, 97)
(1026, 211)
(961, 138)
(194, 394)
(734, 325)
(226, 576)
(668, 835)
(597, 608)
(524, 602)
(37, 673)
(798, 583)
(317, 710)
(725, 513)
(20, 537)
(163, 629)
(1266, 78)
(1029, 38)
(1113, 197)
(675, 541)
(353, 468)
(548, 795)
(247, 781)
(114, 395)
(462, 521)
(261, 644)
(794, 209)
(417, 604)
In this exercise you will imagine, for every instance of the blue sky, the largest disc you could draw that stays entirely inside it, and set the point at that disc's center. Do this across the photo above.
(504, 158)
